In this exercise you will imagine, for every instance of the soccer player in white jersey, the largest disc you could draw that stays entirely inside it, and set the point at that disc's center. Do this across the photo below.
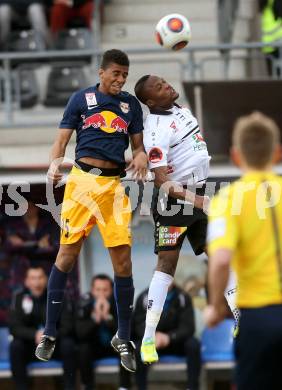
(172, 138)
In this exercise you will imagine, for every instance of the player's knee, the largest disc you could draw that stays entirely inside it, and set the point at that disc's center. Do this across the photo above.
(166, 264)
(123, 267)
(121, 259)
(66, 260)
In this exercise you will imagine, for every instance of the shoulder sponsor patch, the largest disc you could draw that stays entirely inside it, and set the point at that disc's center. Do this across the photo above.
(155, 155)
(91, 100)
(216, 229)
(124, 107)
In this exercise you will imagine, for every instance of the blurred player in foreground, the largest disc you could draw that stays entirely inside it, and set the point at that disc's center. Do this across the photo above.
(245, 230)
(172, 138)
(104, 118)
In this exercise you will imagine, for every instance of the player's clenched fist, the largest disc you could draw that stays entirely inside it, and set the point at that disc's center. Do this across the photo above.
(202, 202)
(54, 175)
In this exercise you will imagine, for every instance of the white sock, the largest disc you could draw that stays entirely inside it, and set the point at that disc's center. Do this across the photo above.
(231, 294)
(156, 299)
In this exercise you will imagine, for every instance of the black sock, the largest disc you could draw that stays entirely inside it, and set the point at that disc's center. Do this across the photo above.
(124, 295)
(55, 294)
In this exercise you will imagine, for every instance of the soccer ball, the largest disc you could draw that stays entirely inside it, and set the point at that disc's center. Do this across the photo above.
(173, 31)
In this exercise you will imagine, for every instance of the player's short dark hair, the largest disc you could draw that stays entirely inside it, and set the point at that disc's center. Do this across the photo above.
(139, 88)
(256, 136)
(101, 277)
(114, 56)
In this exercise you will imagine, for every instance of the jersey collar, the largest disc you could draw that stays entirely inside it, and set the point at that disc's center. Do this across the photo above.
(165, 112)
(96, 87)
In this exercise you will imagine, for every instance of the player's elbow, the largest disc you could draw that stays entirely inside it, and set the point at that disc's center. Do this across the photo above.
(222, 257)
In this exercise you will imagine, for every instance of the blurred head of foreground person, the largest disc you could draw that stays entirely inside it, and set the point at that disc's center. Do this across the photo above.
(255, 143)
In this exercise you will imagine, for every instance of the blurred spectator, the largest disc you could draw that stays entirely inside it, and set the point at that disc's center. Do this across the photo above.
(5, 289)
(14, 11)
(196, 289)
(27, 317)
(64, 11)
(96, 323)
(271, 28)
(174, 334)
(194, 286)
(32, 235)
(5, 293)
(226, 18)
(31, 240)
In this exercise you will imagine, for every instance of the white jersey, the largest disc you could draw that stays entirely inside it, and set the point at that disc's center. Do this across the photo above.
(173, 138)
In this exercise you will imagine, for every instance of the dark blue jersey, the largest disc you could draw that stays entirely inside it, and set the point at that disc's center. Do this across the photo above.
(103, 123)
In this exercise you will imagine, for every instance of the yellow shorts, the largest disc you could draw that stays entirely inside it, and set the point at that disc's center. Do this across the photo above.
(93, 199)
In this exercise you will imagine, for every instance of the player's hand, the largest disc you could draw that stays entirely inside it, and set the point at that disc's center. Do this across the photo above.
(54, 175)
(202, 202)
(139, 166)
(213, 315)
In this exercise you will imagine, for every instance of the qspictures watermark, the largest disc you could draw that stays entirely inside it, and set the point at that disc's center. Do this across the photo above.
(90, 189)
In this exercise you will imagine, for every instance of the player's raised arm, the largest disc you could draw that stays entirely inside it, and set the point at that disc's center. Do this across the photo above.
(140, 161)
(57, 152)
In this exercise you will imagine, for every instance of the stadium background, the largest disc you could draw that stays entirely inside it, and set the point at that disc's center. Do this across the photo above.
(221, 75)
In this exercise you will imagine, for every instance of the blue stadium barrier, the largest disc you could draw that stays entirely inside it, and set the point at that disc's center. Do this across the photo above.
(4, 352)
(172, 359)
(4, 365)
(4, 344)
(50, 364)
(217, 343)
(109, 361)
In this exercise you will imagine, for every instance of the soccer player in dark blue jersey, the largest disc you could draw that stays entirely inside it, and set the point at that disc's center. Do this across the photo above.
(104, 118)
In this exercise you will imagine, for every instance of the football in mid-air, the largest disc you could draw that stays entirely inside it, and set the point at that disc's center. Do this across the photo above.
(173, 31)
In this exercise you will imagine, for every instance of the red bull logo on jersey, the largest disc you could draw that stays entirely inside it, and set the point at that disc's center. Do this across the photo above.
(107, 121)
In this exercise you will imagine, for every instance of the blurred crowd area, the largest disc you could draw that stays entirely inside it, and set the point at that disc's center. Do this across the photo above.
(30, 240)
(30, 26)
(42, 23)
